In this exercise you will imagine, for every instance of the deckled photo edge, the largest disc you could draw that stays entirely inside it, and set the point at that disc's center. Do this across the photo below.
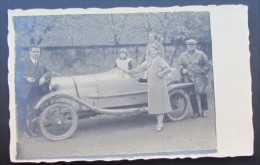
(11, 62)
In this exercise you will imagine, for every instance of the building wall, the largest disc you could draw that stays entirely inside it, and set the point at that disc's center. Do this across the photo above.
(75, 60)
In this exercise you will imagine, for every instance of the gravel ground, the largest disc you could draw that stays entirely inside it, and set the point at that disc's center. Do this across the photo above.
(126, 134)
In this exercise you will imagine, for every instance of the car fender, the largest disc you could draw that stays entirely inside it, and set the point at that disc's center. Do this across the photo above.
(180, 86)
(51, 95)
(93, 108)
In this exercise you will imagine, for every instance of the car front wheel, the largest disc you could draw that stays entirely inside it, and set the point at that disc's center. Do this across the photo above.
(179, 102)
(58, 121)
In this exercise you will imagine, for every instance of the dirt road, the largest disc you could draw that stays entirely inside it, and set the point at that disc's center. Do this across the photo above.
(126, 135)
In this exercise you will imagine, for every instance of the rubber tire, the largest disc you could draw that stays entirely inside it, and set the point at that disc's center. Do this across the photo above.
(66, 135)
(169, 117)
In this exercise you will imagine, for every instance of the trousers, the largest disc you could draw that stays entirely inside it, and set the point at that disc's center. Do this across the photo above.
(25, 111)
(203, 102)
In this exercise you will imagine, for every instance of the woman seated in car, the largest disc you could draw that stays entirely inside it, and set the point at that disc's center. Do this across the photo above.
(123, 62)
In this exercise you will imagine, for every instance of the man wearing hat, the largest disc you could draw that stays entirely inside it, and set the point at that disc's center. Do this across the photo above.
(193, 65)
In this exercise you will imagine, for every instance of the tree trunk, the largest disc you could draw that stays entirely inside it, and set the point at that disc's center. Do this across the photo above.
(173, 55)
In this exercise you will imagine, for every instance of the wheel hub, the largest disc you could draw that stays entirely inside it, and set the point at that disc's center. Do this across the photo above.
(58, 120)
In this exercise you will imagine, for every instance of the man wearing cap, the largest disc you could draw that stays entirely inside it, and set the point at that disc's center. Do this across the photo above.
(32, 77)
(193, 64)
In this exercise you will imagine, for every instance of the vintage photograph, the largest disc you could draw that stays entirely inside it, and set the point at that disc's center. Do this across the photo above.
(114, 85)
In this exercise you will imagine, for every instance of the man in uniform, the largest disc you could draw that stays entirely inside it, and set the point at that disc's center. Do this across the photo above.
(32, 77)
(193, 65)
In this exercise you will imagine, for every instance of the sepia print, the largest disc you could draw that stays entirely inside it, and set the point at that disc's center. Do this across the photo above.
(122, 85)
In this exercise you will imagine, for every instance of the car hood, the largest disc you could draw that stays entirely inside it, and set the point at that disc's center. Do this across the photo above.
(83, 81)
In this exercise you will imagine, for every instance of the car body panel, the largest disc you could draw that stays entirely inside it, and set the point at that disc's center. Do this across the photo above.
(110, 89)
(110, 93)
(119, 89)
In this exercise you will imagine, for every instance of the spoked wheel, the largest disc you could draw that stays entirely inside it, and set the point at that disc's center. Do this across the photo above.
(178, 101)
(58, 121)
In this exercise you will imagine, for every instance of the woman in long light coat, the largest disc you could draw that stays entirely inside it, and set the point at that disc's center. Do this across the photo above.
(158, 97)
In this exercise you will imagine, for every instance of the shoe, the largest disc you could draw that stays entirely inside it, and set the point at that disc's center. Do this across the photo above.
(34, 134)
(155, 127)
(27, 135)
(158, 129)
(204, 114)
(195, 115)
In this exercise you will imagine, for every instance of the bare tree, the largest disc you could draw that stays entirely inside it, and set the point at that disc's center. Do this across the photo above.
(73, 27)
(146, 22)
(40, 27)
(120, 28)
(116, 24)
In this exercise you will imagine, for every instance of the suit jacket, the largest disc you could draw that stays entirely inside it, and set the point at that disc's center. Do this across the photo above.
(26, 68)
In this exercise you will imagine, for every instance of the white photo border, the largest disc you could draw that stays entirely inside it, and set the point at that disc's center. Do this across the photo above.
(232, 79)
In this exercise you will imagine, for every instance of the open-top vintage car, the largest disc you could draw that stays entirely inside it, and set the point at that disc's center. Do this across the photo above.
(113, 92)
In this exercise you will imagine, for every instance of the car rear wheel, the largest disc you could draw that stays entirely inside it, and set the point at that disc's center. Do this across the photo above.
(58, 121)
(179, 102)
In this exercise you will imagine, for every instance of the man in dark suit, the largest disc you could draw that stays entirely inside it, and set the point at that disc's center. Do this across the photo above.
(32, 78)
